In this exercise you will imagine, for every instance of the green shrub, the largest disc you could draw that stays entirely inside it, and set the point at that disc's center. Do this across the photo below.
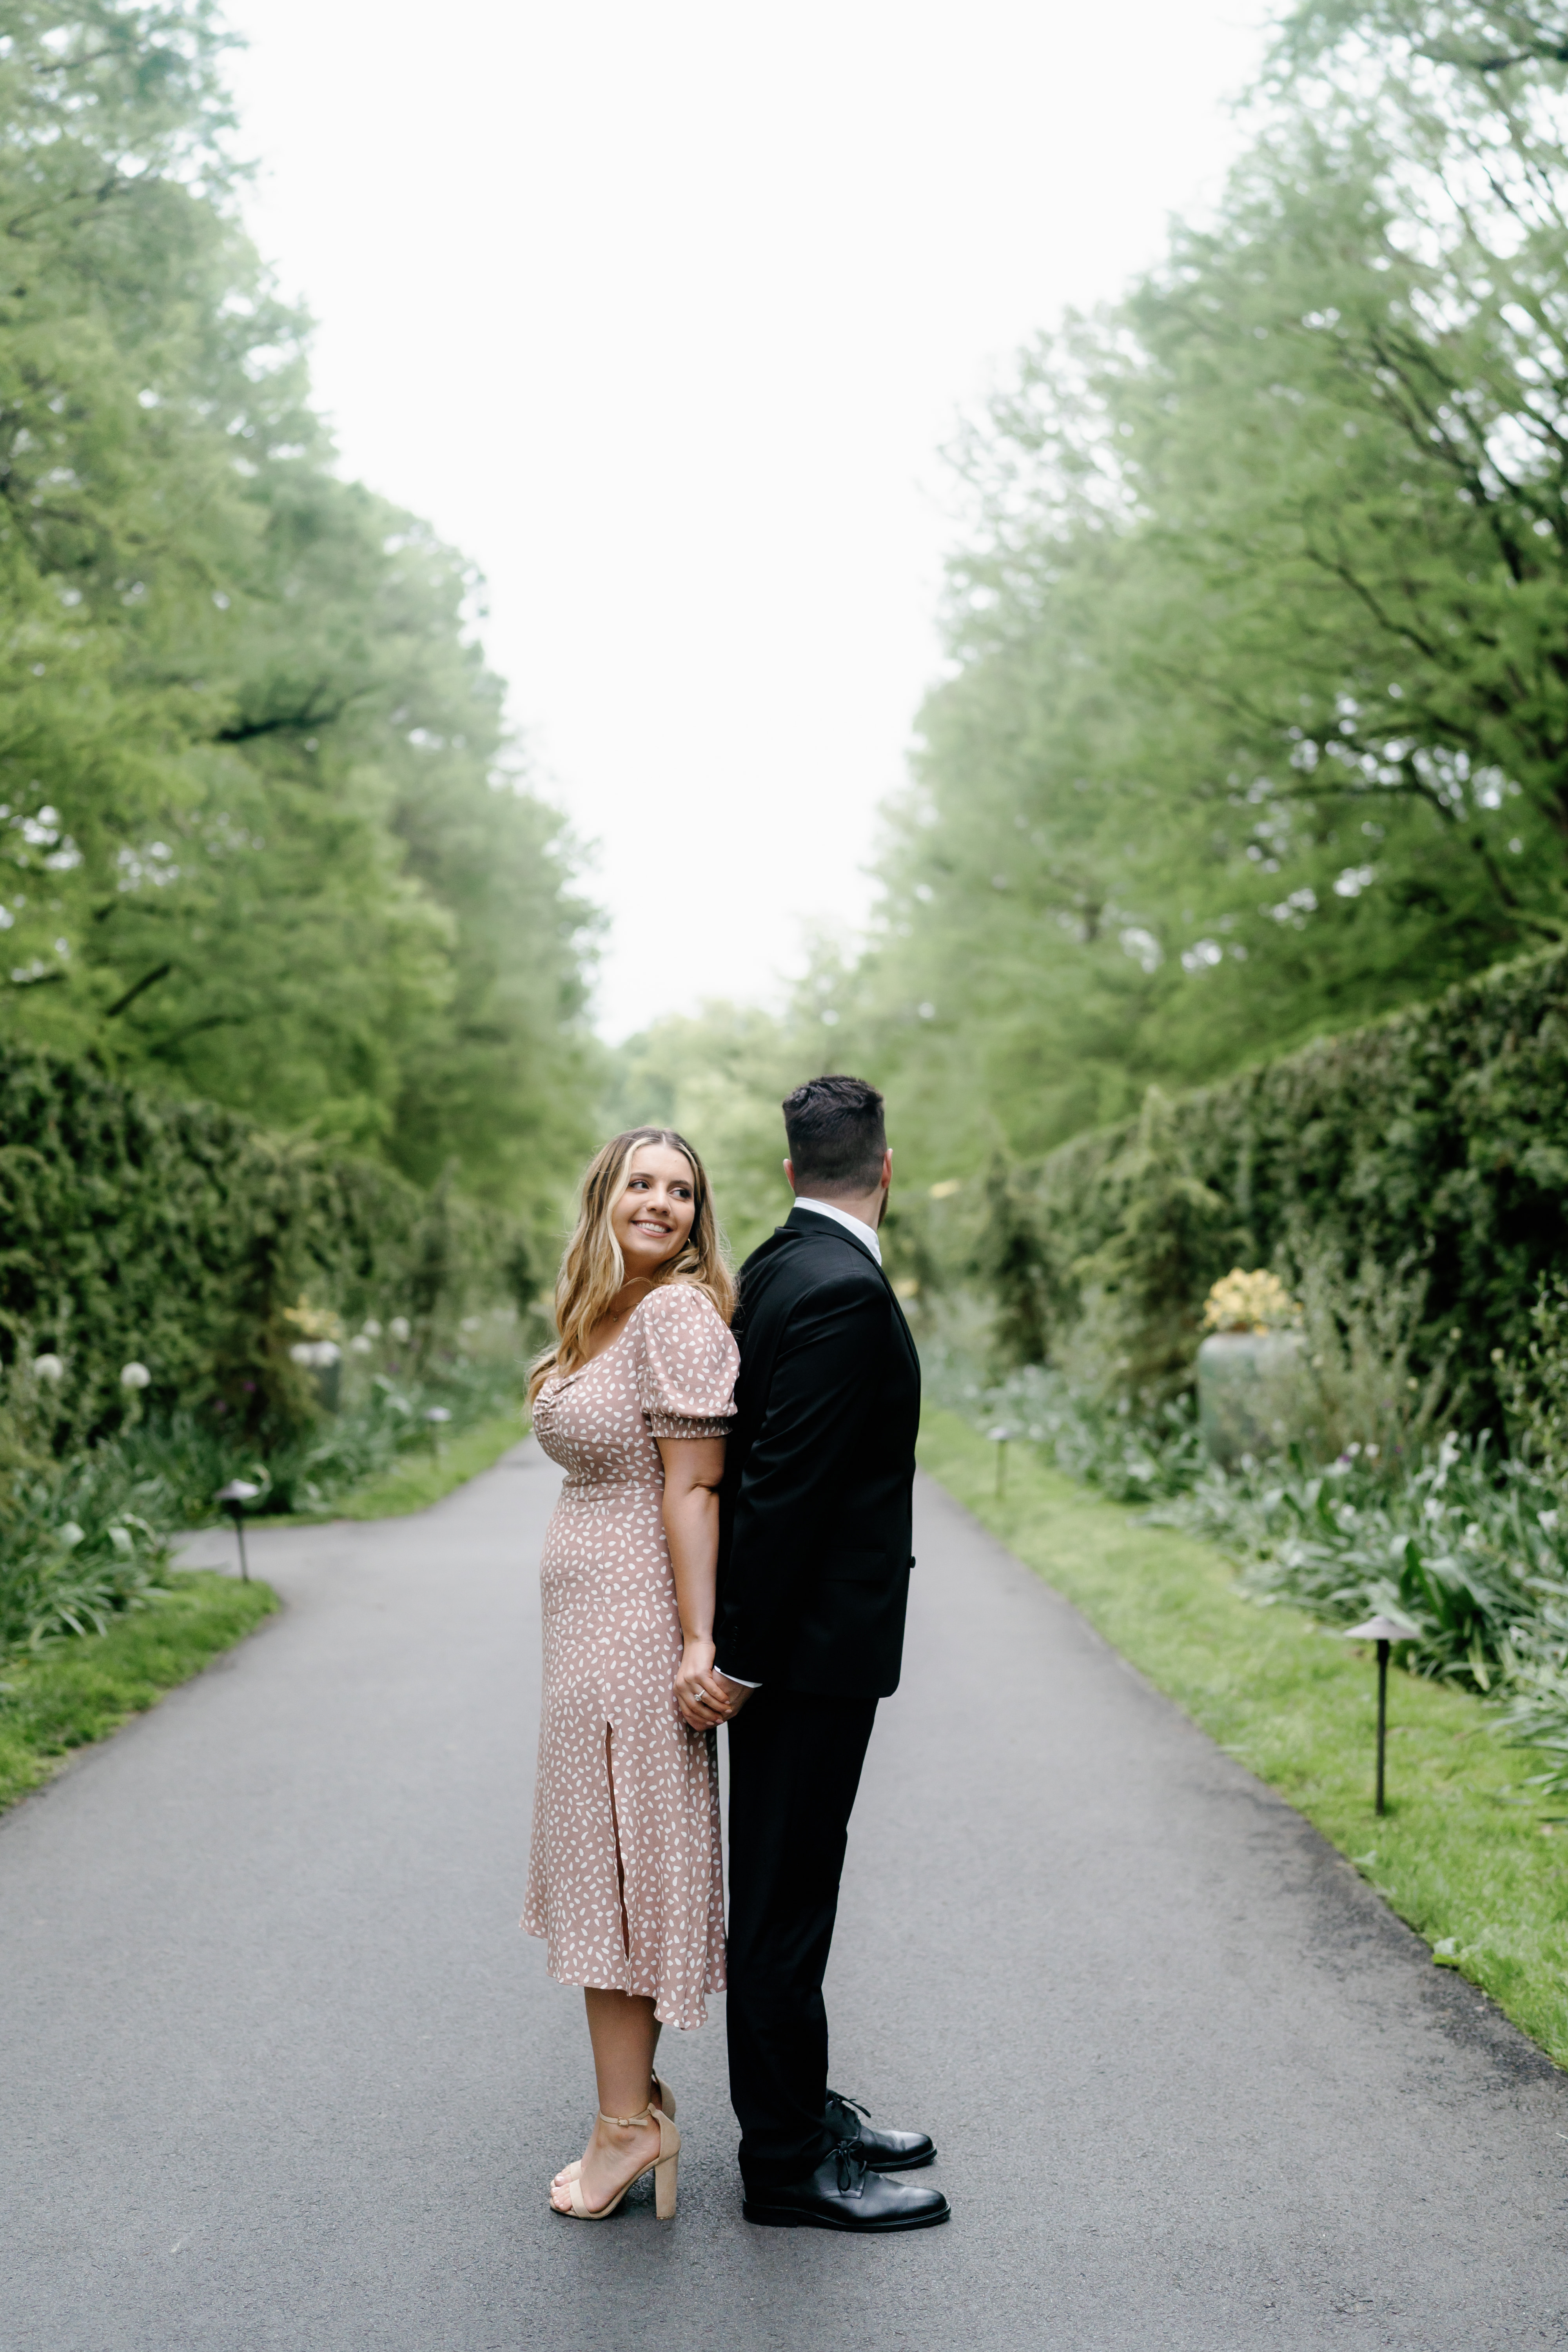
(177, 1235)
(1435, 1143)
(85, 1540)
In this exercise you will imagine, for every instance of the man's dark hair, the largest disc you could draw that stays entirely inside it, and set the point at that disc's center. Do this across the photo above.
(836, 1135)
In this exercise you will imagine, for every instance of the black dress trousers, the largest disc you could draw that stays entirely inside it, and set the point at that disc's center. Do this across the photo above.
(795, 1767)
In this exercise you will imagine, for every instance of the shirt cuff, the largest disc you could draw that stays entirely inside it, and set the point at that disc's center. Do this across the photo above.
(739, 1680)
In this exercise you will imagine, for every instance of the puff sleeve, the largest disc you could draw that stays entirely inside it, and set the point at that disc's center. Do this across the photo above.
(685, 1364)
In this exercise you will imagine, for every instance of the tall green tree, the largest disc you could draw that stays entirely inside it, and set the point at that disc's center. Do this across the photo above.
(1256, 725)
(260, 835)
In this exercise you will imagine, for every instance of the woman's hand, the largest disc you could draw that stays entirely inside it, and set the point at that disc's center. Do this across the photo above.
(699, 1692)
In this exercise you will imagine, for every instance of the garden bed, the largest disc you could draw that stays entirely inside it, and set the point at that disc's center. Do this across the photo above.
(415, 1480)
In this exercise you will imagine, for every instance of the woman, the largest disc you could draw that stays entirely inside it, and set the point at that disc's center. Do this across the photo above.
(625, 1881)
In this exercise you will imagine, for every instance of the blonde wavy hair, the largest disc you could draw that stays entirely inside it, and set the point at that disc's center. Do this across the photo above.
(593, 1268)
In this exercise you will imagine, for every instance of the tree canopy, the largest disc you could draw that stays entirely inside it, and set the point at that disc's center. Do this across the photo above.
(262, 837)
(1255, 722)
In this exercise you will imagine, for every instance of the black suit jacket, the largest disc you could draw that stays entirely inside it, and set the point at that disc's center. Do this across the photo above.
(814, 1545)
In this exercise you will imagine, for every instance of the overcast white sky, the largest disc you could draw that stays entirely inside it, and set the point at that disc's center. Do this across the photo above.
(663, 315)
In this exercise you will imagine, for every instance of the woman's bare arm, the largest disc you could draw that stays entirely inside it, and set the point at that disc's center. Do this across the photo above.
(693, 1470)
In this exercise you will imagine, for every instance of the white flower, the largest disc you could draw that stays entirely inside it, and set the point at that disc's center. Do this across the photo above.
(399, 1327)
(48, 1368)
(438, 1414)
(1547, 1520)
(361, 1344)
(316, 1353)
(135, 1376)
(372, 1329)
(69, 1534)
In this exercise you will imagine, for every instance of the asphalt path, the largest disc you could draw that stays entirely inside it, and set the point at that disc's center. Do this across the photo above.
(278, 2070)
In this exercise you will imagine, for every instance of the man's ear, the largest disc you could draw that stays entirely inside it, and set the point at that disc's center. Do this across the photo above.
(887, 1168)
(789, 1173)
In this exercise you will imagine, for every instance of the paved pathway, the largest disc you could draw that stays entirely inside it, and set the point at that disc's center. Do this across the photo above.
(278, 2070)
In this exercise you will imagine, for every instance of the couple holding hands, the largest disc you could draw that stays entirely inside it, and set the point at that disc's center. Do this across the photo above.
(731, 1546)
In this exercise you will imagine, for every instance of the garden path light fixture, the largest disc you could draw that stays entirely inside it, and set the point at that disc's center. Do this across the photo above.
(436, 1416)
(999, 1436)
(1382, 1631)
(234, 1498)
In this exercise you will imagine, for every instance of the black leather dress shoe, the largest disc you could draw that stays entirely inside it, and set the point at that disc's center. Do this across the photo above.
(843, 2193)
(883, 2151)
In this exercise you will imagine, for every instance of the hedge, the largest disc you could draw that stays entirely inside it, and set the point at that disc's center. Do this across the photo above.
(176, 1235)
(1437, 1137)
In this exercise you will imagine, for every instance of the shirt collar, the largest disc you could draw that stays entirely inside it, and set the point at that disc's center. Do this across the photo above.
(864, 1235)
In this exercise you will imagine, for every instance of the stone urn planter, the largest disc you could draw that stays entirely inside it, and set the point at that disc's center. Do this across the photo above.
(1249, 1382)
(1251, 1368)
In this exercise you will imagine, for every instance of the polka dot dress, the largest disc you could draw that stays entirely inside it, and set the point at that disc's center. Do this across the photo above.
(612, 1645)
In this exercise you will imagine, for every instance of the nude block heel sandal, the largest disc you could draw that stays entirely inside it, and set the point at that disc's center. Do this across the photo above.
(663, 2096)
(664, 2167)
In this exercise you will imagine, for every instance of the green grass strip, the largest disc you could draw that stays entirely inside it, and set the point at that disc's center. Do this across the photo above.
(418, 1479)
(78, 1691)
(1297, 1706)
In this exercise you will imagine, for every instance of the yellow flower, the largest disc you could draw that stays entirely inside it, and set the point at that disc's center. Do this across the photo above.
(316, 1322)
(1249, 1302)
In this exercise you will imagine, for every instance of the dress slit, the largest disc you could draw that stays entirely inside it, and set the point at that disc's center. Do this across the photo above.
(620, 1858)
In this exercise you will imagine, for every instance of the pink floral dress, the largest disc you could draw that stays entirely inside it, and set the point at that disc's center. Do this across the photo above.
(626, 1802)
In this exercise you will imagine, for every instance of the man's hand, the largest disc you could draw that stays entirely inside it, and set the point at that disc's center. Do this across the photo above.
(737, 1693)
(704, 1697)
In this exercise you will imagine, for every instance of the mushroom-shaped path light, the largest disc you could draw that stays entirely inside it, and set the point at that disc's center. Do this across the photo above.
(234, 1498)
(1382, 1631)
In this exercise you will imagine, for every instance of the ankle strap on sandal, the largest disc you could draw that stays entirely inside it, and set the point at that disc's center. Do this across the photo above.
(625, 2122)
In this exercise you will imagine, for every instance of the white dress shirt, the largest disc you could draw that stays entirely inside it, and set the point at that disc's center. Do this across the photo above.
(867, 1235)
(864, 1235)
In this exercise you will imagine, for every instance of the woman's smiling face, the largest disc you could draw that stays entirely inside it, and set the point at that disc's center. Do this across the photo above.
(655, 1210)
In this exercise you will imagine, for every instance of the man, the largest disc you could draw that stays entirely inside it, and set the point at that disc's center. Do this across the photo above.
(814, 1570)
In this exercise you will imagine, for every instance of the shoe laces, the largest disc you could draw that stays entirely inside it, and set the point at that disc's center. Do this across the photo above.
(851, 2167)
(836, 2100)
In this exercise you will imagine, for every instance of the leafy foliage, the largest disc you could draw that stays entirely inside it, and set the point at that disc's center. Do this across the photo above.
(1534, 1381)
(178, 1235)
(1131, 1456)
(1435, 1142)
(86, 1540)
(74, 1550)
(1257, 718)
(259, 842)
(1467, 1549)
